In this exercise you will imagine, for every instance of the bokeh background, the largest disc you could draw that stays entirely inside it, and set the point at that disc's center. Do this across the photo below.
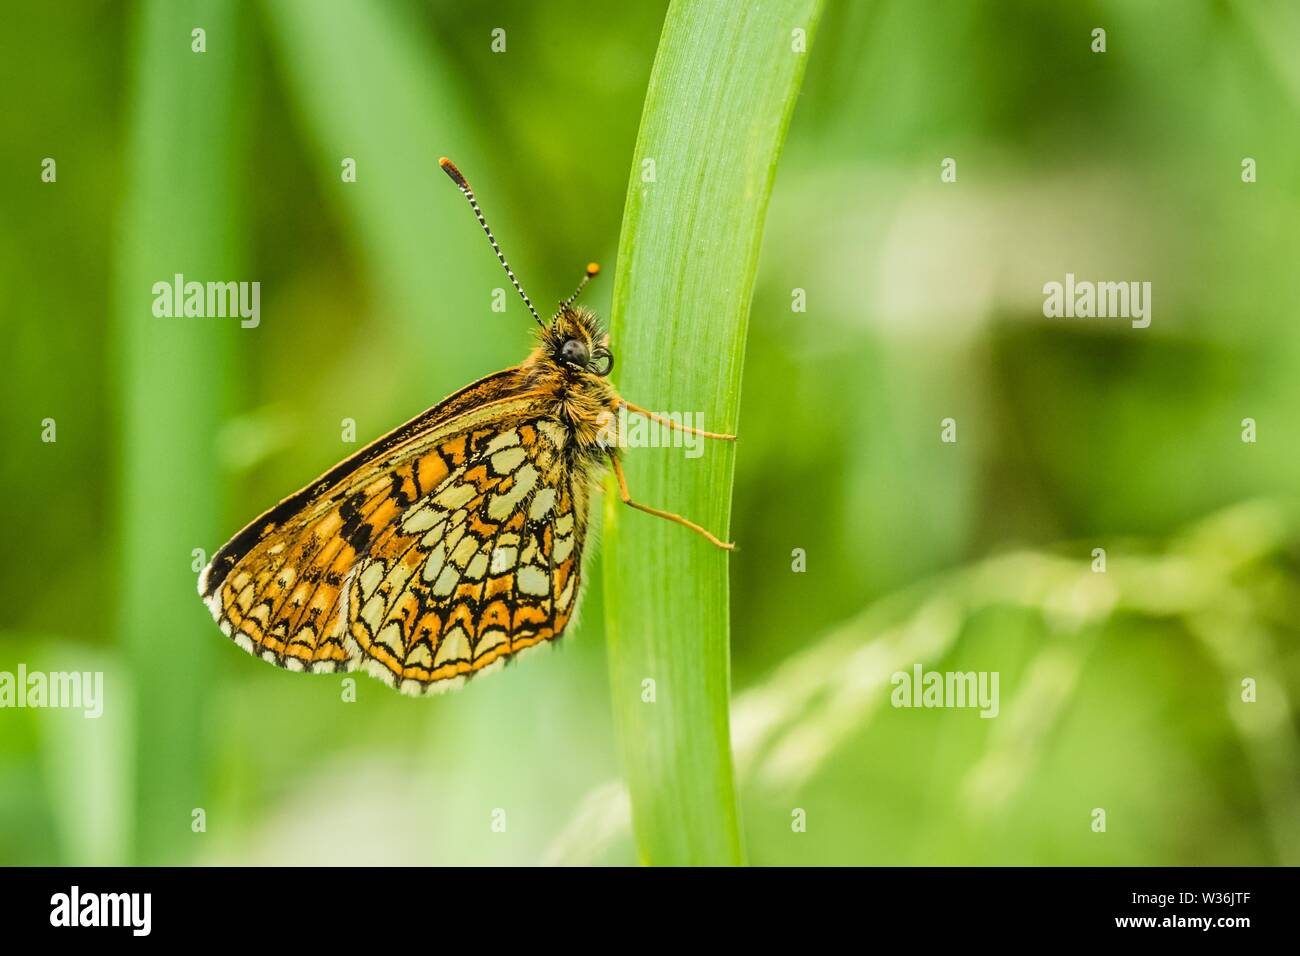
(1120, 690)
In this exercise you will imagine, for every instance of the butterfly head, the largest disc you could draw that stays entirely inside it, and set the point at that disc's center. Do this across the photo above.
(576, 342)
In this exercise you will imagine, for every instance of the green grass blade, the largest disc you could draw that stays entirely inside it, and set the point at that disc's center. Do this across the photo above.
(180, 216)
(723, 87)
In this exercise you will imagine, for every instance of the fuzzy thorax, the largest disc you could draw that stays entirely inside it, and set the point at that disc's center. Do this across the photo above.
(582, 399)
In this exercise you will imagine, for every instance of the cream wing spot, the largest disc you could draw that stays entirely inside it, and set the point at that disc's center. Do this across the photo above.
(503, 559)
(489, 640)
(542, 504)
(434, 535)
(477, 567)
(504, 440)
(433, 564)
(464, 551)
(455, 496)
(501, 506)
(422, 519)
(371, 575)
(372, 612)
(446, 582)
(533, 580)
(454, 647)
(391, 637)
(567, 594)
(504, 462)
(454, 536)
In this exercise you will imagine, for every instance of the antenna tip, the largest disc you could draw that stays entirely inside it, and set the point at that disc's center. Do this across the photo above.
(593, 269)
(450, 169)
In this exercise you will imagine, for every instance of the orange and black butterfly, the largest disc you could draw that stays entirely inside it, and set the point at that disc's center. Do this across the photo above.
(450, 544)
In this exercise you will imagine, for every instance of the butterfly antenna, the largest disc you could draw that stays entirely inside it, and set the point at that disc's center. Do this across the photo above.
(593, 270)
(450, 169)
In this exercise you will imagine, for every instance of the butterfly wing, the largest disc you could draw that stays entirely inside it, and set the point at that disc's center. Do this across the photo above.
(444, 547)
(483, 567)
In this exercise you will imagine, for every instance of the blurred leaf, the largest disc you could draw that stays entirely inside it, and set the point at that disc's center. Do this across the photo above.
(182, 215)
(87, 760)
(371, 91)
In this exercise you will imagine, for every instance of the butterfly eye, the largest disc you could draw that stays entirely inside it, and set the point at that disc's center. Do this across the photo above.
(574, 352)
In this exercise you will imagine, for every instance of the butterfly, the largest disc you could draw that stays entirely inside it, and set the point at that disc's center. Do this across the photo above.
(453, 543)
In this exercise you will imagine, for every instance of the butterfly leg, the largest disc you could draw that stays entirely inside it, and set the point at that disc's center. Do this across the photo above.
(638, 410)
(627, 500)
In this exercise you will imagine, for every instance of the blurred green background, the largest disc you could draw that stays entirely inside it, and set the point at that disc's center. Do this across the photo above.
(1119, 691)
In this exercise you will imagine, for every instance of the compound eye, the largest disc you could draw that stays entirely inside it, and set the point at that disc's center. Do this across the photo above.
(574, 352)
